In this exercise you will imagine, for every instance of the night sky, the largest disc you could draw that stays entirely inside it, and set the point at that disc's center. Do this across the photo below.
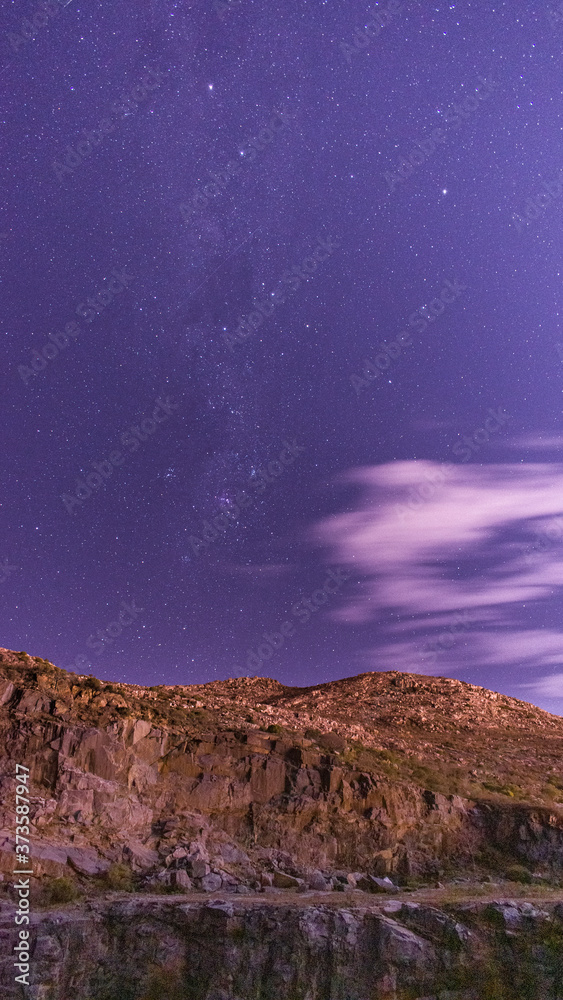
(282, 363)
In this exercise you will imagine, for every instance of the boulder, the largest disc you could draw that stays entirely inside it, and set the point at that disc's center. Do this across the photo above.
(318, 882)
(86, 861)
(49, 852)
(371, 883)
(180, 879)
(353, 878)
(283, 881)
(383, 884)
(6, 691)
(197, 867)
(211, 882)
(139, 856)
(232, 854)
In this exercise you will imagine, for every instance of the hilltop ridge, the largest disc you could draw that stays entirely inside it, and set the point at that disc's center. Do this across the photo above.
(457, 736)
(247, 784)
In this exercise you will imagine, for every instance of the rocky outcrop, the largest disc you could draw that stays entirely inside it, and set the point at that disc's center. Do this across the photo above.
(156, 948)
(131, 794)
(193, 803)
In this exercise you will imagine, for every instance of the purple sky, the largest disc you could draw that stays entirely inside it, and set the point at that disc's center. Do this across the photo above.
(283, 368)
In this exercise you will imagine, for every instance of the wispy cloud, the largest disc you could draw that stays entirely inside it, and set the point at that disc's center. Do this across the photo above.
(537, 442)
(462, 552)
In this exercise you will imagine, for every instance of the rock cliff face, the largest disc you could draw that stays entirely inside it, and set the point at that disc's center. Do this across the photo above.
(166, 783)
(258, 791)
(150, 948)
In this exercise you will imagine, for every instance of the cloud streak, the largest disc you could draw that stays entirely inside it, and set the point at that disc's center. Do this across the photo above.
(463, 551)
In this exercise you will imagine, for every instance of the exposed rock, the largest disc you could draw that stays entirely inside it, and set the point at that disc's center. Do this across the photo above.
(180, 879)
(249, 949)
(210, 883)
(139, 856)
(232, 853)
(201, 788)
(371, 883)
(316, 880)
(87, 862)
(197, 868)
(6, 691)
(283, 881)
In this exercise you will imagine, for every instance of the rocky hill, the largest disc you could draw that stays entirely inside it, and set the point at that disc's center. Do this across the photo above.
(309, 798)
(245, 782)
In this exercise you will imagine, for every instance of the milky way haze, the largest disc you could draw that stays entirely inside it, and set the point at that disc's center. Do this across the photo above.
(282, 366)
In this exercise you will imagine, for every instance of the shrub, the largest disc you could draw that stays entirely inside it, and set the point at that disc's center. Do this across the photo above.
(274, 727)
(59, 890)
(120, 877)
(550, 791)
(513, 791)
(93, 683)
(518, 873)
(199, 715)
(179, 716)
(312, 734)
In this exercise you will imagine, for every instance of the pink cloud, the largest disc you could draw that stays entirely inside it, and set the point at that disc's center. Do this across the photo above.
(432, 540)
